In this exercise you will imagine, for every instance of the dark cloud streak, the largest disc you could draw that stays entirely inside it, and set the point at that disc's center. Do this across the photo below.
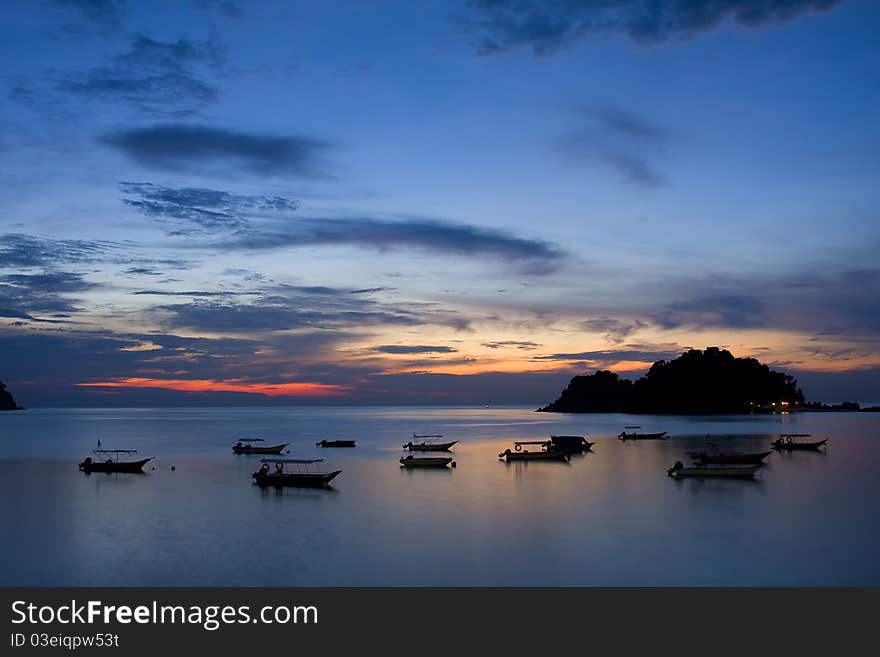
(183, 148)
(546, 26)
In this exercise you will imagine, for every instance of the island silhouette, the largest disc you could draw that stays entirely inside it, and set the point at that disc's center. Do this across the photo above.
(7, 401)
(711, 381)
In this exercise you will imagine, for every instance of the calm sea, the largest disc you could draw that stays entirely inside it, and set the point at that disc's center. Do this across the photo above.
(611, 517)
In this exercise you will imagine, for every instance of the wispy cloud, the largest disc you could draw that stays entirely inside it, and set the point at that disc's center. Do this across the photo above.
(104, 13)
(546, 26)
(19, 250)
(516, 344)
(161, 77)
(413, 349)
(616, 139)
(530, 256)
(190, 209)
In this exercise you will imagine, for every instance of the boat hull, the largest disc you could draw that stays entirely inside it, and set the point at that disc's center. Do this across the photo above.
(115, 466)
(663, 435)
(755, 458)
(274, 449)
(731, 472)
(295, 479)
(426, 462)
(571, 444)
(429, 447)
(336, 443)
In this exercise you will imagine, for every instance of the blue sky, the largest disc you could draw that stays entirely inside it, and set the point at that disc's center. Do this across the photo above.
(447, 202)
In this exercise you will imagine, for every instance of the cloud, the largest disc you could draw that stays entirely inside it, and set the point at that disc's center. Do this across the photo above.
(194, 293)
(294, 309)
(225, 7)
(271, 389)
(733, 311)
(262, 222)
(22, 296)
(106, 13)
(608, 357)
(192, 209)
(618, 140)
(196, 149)
(156, 76)
(531, 256)
(413, 349)
(143, 271)
(546, 26)
(512, 343)
(18, 250)
(615, 330)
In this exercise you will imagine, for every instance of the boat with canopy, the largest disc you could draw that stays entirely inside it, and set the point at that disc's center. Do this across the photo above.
(248, 446)
(635, 433)
(788, 442)
(108, 461)
(429, 444)
(547, 453)
(302, 473)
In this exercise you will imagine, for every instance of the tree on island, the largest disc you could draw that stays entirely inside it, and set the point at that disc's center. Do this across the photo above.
(697, 382)
(7, 403)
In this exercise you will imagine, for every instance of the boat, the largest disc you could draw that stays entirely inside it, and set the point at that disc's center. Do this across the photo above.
(246, 446)
(636, 434)
(303, 476)
(548, 453)
(112, 463)
(336, 443)
(429, 445)
(786, 441)
(426, 461)
(571, 444)
(729, 458)
(730, 471)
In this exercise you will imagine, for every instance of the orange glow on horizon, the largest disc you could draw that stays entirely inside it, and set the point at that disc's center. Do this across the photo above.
(207, 385)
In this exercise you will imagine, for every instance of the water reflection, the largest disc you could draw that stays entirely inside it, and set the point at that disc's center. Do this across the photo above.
(611, 516)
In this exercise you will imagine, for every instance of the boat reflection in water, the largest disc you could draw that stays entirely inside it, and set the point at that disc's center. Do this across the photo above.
(729, 471)
(426, 461)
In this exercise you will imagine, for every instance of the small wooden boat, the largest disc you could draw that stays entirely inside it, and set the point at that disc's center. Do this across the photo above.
(429, 445)
(302, 477)
(637, 434)
(246, 446)
(426, 461)
(786, 441)
(571, 444)
(548, 453)
(730, 471)
(336, 443)
(111, 464)
(729, 458)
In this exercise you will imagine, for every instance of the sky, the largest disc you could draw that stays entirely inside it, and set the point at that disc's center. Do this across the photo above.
(462, 202)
